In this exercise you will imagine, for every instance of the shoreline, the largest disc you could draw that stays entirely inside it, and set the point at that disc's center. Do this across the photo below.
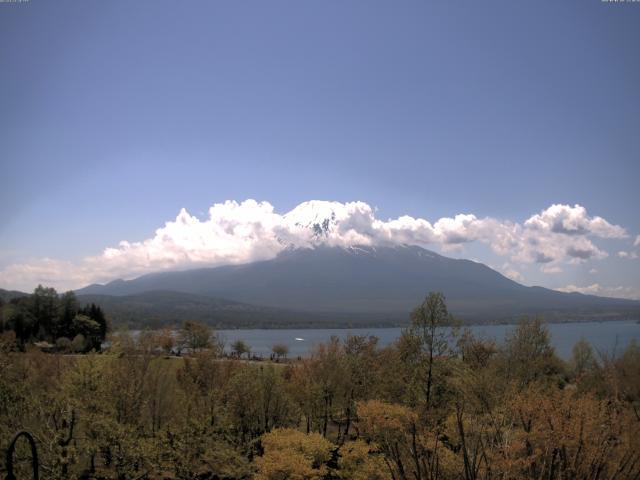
(403, 325)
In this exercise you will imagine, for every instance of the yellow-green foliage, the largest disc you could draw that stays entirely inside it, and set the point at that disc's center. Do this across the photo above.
(291, 454)
(350, 410)
(360, 460)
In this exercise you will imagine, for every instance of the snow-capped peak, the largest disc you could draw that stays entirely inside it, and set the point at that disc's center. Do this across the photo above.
(332, 222)
(317, 215)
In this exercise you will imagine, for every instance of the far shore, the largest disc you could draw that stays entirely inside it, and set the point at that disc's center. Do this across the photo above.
(342, 326)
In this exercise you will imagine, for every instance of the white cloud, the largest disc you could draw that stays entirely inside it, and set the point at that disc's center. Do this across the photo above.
(593, 271)
(559, 233)
(508, 271)
(629, 255)
(550, 269)
(573, 221)
(637, 242)
(235, 233)
(604, 291)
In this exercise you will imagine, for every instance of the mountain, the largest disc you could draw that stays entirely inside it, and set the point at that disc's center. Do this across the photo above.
(8, 295)
(376, 282)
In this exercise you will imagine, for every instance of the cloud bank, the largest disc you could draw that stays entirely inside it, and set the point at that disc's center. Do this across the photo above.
(604, 291)
(235, 233)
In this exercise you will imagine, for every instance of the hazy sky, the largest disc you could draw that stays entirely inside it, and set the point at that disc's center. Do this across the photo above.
(116, 115)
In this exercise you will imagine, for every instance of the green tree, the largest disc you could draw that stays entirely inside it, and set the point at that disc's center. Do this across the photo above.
(239, 348)
(67, 310)
(94, 312)
(89, 329)
(63, 344)
(528, 353)
(44, 307)
(20, 319)
(195, 336)
(428, 322)
(475, 352)
(79, 343)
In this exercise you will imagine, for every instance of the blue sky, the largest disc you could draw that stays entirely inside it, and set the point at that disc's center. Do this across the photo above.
(115, 115)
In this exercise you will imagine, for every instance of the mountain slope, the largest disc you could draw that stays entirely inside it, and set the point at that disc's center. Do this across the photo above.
(8, 295)
(386, 281)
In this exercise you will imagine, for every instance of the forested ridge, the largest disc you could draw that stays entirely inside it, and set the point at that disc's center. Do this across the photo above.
(46, 316)
(434, 405)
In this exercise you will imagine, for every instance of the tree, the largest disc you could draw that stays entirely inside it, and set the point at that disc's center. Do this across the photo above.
(322, 383)
(360, 460)
(358, 367)
(132, 414)
(46, 316)
(427, 328)
(122, 341)
(89, 329)
(274, 404)
(476, 352)
(67, 310)
(20, 319)
(290, 454)
(528, 353)
(582, 358)
(195, 336)
(411, 451)
(2, 315)
(44, 306)
(79, 344)
(94, 312)
(280, 350)
(239, 348)
(63, 344)
(627, 373)
(165, 340)
(557, 434)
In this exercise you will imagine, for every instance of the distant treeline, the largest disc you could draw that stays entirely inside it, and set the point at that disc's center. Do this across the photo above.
(159, 309)
(46, 316)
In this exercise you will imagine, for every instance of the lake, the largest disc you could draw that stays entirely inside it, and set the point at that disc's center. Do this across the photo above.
(607, 337)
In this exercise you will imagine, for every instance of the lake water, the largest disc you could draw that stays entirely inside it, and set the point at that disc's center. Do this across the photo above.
(610, 337)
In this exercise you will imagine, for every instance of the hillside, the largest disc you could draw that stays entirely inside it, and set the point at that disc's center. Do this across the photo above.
(8, 295)
(159, 308)
(357, 282)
